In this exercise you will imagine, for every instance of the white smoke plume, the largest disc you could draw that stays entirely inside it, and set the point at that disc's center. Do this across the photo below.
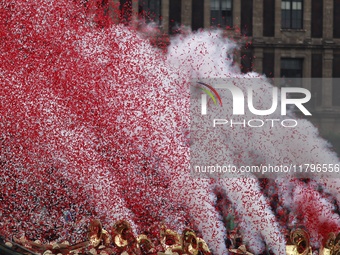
(206, 55)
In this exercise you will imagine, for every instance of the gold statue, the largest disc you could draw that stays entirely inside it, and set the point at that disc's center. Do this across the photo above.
(124, 239)
(145, 245)
(171, 242)
(330, 240)
(336, 246)
(328, 245)
(203, 248)
(240, 250)
(300, 243)
(97, 235)
(190, 245)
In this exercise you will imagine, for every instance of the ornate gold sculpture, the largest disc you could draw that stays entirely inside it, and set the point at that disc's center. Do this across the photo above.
(120, 230)
(240, 250)
(300, 241)
(328, 245)
(203, 247)
(145, 245)
(190, 245)
(124, 239)
(336, 247)
(97, 235)
(170, 241)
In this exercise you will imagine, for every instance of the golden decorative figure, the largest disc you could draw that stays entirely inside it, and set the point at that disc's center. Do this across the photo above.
(123, 238)
(328, 246)
(300, 241)
(290, 249)
(324, 251)
(336, 247)
(97, 235)
(241, 250)
(203, 248)
(189, 239)
(170, 241)
(330, 240)
(145, 245)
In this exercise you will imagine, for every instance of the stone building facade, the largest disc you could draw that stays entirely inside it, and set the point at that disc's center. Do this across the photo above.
(286, 38)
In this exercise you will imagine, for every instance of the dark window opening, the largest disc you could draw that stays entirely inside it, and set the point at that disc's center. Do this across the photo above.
(291, 67)
(336, 19)
(317, 18)
(247, 17)
(175, 20)
(336, 85)
(150, 11)
(268, 17)
(197, 19)
(291, 74)
(221, 13)
(268, 64)
(125, 8)
(291, 14)
(246, 61)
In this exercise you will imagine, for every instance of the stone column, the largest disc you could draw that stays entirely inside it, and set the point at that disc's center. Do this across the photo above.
(307, 70)
(237, 14)
(134, 9)
(206, 13)
(114, 10)
(165, 15)
(327, 81)
(327, 71)
(307, 64)
(186, 12)
(257, 18)
(307, 23)
(277, 62)
(278, 20)
(278, 33)
(327, 19)
(258, 60)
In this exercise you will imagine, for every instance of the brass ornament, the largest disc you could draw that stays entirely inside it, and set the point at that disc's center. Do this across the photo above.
(119, 230)
(189, 239)
(145, 244)
(203, 246)
(170, 240)
(241, 250)
(300, 239)
(95, 233)
(330, 240)
(336, 247)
